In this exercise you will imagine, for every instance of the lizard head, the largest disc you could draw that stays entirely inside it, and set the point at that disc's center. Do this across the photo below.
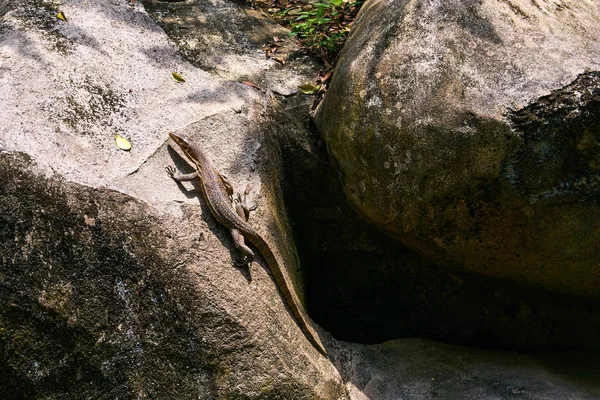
(181, 139)
(185, 144)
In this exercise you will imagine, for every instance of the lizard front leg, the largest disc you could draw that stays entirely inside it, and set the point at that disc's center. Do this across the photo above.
(178, 176)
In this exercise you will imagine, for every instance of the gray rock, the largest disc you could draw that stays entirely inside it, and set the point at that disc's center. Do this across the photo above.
(468, 131)
(104, 296)
(420, 369)
(115, 282)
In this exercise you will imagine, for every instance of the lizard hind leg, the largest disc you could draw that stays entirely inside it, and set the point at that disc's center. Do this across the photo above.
(240, 243)
(244, 212)
(247, 204)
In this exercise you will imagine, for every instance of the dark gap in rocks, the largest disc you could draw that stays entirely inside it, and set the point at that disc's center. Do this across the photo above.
(362, 286)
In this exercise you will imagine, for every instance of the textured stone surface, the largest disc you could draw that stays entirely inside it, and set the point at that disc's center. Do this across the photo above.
(469, 131)
(114, 280)
(424, 370)
(105, 296)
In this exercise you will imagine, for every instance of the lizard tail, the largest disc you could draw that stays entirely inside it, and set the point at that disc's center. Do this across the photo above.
(284, 289)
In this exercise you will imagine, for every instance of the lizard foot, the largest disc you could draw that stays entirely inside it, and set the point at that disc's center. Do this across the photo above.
(171, 171)
(249, 205)
(245, 206)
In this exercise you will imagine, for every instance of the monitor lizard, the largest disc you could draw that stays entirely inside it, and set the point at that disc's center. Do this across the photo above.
(217, 191)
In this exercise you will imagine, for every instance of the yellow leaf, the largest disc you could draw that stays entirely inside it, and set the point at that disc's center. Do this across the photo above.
(309, 88)
(61, 16)
(177, 77)
(122, 143)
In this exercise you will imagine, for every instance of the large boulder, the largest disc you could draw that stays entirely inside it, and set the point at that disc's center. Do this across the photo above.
(469, 131)
(105, 296)
(114, 280)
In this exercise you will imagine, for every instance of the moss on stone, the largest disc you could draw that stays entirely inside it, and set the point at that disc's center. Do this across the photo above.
(40, 16)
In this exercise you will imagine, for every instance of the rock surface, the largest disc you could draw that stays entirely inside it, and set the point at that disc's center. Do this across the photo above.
(470, 133)
(105, 296)
(423, 370)
(114, 281)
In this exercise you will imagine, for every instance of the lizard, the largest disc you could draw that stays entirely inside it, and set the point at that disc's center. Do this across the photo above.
(217, 191)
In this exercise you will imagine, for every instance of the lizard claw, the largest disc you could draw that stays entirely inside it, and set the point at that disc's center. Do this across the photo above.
(247, 258)
(170, 171)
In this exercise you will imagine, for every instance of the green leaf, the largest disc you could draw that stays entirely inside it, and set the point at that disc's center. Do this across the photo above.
(122, 143)
(177, 78)
(309, 88)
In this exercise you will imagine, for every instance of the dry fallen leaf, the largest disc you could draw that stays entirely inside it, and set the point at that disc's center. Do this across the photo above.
(122, 143)
(61, 16)
(176, 77)
(248, 83)
(327, 77)
(280, 60)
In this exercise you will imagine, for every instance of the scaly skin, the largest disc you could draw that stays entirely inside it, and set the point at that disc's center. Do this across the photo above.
(216, 195)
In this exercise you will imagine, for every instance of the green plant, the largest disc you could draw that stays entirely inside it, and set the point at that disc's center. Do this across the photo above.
(322, 27)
